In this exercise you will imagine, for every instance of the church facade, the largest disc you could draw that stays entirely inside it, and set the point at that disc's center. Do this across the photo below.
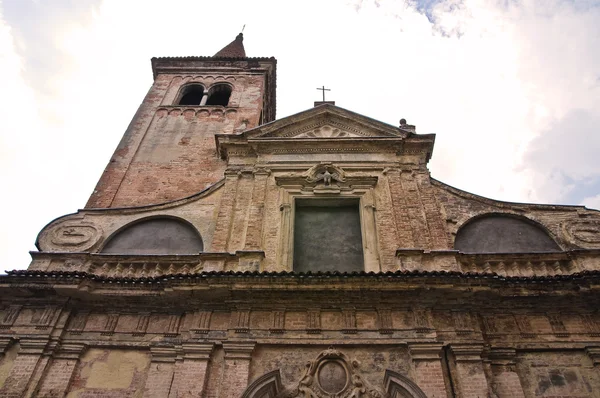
(227, 254)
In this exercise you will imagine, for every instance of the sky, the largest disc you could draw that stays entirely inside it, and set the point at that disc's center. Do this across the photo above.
(510, 88)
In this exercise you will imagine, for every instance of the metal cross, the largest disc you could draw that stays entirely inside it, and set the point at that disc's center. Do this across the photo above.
(323, 89)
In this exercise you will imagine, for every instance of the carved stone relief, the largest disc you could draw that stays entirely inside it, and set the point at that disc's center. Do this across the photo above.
(326, 131)
(70, 235)
(333, 374)
(583, 233)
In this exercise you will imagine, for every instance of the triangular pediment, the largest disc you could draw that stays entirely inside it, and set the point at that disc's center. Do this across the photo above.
(326, 122)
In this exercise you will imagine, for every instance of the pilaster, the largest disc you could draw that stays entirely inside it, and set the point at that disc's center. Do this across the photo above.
(506, 382)
(190, 373)
(237, 368)
(469, 372)
(427, 363)
(61, 369)
(160, 374)
(25, 368)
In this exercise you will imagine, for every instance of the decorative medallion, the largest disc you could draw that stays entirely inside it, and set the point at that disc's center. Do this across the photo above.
(584, 233)
(70, 235)
(333, 375)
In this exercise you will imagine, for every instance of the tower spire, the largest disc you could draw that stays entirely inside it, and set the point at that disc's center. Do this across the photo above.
(235, 49)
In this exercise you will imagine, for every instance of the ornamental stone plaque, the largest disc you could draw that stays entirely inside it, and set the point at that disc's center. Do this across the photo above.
(332, 377)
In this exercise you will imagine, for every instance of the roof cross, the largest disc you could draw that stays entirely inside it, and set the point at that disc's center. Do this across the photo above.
(323, 89)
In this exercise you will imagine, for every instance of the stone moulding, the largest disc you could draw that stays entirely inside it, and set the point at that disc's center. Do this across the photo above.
(504, 264)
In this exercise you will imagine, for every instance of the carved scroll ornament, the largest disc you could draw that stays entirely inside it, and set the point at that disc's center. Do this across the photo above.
(332, 375)
(325, 173)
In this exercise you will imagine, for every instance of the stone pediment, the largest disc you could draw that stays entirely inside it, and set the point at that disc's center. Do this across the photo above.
(325, 122)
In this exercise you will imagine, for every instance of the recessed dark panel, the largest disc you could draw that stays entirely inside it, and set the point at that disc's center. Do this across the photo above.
(327, 238)
(503, 234)
(156, 236)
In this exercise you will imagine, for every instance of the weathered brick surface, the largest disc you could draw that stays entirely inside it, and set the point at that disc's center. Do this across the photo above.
(57, 378)
(168, 152)
(189, 380)
(159, 380)
(20, 376)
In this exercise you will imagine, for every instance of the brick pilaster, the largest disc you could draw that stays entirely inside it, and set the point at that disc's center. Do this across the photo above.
(25, 367)
(160, 374)
(427, 363)
(237, 368)
(190, 374)
(257, 209)
(59, 373)
(506, 382)
(469, 373)
(225, 215)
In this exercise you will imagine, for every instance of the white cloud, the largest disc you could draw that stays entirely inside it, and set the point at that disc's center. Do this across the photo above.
(493, 79)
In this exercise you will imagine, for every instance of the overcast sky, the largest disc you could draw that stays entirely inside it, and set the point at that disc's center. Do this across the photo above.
(511, 88)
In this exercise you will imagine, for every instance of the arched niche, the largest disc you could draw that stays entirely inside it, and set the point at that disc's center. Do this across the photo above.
(160, 235)
(398, 386)
(500, 233)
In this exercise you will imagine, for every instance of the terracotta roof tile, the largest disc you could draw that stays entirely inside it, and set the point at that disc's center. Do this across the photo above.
(235, 49)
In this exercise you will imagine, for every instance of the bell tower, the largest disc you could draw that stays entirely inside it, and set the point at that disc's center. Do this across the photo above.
(168, 151)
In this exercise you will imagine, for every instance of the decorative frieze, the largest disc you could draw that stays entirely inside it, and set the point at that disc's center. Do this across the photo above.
(313, 321)
(10, 316)
(78, 322)
(142, 324)
(45, 319)
(421, 319)
(202, 325)
(277, 321)
(173, 325)
(591, 324)
(462, 322)
(110, 324)
(349, 321)
(384, 321)
(524, 326)
(240, 320)
(558, 327)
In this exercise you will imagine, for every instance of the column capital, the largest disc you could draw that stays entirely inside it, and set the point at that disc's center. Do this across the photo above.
(163, 353)
(238, 350)
(33, 345)
(467, 352)
(425, 351)
(199, 351)
(69, 351)
(5, 342)
(502, 356)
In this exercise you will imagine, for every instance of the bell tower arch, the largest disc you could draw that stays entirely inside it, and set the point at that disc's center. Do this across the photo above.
(168, 151)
